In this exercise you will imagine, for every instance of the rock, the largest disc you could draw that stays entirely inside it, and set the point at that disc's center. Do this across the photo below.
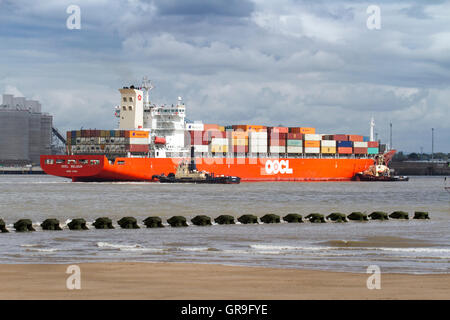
(399, 215)
(337, 217)
(77, 224)
(378, 215)
(177, 221)
(128, 223)
(103, 223)
(270, 218)
(3, 226)
(357, 216)
(315, 218)
(153, 222)
(51, 224)
(421, 215)
(224, 219)
(293, 218)
(201, 220)
(24, 225)
(248, 219)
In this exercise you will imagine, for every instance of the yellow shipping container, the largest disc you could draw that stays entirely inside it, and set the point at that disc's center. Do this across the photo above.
(216, 148)
(78, 134)
(221, 128)
(328, 150)
(307, 130)
(240, 142)
(311, 144)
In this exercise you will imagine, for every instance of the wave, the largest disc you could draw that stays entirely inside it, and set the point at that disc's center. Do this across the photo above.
(267, 247)
(122, 247)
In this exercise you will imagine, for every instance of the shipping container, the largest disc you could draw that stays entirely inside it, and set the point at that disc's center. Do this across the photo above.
(201, 148)
(207, 127)
(219, 141)
(345, 150)
(278, 130)
(312, 150)
(295, 136)
(240, 142)
(366, 139)
(257, 148)
(138, 140)
(240, 149)
(295, 130)
(305, 130)
(340, 137)
(294, 149)
(359, 144)
(372, 144)
(294, 143)
(359, 150)
(354, 137)
(219, 148)
(328, 150)
(372, 150)
(195, 127)
(328, 143)
(137, 147)
(136, 134)
(311, 144)
(312, 137)
(345, 144)
(277, 149)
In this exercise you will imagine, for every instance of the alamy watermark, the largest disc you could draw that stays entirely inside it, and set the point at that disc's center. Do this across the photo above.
(74, 20)
(374, 20)
(74, 280)
(374, 281)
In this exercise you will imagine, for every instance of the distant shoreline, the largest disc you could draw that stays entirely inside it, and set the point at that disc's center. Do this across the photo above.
(129, 280)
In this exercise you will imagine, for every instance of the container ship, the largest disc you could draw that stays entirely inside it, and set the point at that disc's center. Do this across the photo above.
(153, 140)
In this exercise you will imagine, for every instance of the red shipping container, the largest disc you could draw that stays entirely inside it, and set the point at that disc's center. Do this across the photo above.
(295, 130)
(137, 147)
(199, 137)
(345, 150)
(372, 144)
(212, 133)
(357, 150)
(278, 130)
(295, 136)
(354, 137)
(340, 137)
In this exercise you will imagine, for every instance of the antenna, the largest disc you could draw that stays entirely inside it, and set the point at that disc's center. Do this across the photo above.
(147, 86)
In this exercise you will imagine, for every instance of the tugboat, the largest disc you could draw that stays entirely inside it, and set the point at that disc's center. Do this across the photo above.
(380, 170)
(188, 173)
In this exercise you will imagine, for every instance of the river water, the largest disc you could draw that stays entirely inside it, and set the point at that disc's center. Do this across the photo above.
(412, 246)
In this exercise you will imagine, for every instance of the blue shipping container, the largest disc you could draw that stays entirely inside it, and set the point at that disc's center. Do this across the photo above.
(372, 150)
(366, 139)
(345, 144)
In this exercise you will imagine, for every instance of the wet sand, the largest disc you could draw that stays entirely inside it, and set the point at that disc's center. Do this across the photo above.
(207, 281)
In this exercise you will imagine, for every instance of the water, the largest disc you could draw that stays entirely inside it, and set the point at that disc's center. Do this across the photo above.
(413, 246)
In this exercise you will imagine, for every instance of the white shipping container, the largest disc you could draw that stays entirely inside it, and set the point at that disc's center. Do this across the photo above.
(328, 143)
(277, 149)
(257, 135)
(139, 141)
(312, 137)
(219, 141)
(360, 144)
(312, 150)
(257, 149)
(292, 149)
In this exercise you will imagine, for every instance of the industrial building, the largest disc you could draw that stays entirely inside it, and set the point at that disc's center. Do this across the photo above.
(25, 131)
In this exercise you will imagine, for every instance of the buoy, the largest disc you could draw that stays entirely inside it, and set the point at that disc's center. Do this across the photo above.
(270, 218)
(24, 225)
(128, 223)
(77, 224)
(103, 223)
(177, 221)
(224, 219)
(51, 224)
(315, 218)
(153, 222)
(248, 219)
(293, 218)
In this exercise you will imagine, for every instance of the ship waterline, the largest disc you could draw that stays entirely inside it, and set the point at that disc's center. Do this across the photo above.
(99, 168)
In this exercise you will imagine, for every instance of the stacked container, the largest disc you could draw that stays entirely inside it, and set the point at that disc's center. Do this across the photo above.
(277, 139)
(328, 147)
(257, 142)
(345, 147)
(294, 142)
(239, 142)
(311, 142)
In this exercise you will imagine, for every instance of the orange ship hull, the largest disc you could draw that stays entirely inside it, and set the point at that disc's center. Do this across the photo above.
(99, 168)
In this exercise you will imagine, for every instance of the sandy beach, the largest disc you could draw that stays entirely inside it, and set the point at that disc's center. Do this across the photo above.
(207, 281)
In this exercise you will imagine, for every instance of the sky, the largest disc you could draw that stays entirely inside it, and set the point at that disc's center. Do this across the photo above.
(285, 62)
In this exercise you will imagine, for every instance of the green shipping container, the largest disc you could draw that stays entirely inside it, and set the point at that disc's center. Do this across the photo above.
(294, 143)
(372, 150)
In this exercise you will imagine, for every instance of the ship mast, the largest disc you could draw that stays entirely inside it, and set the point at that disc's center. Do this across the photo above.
(372, 126)
(147, 86)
